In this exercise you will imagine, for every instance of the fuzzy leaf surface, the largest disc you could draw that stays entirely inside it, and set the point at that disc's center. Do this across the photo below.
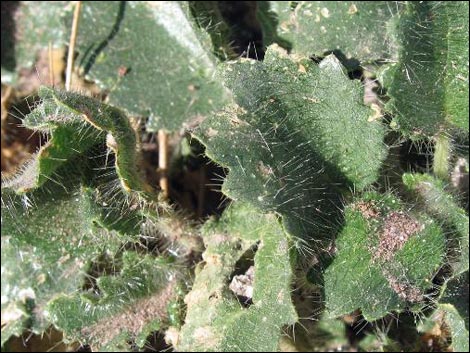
(77, 123)
(358, 31)
(297, 130)
(152, 58)
(376, 266)
(39, 260)
(125, 306)
(51, 209)
(453, 312)
(428, 85)
(215, 319)
(79, 127)
(70, 137)
(441, 204)
(459, 332)
(207, 15)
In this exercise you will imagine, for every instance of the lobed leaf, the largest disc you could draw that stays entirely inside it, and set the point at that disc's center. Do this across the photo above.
(48, 242)
(77, 123)
(425, 44)
(51, 210)
(386, 258)
(296, 131)
(125, 306)
(215, 320)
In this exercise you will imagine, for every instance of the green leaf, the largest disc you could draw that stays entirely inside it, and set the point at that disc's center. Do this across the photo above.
(70, 138)
(432, 194)
(48, 240)
(378, 342)
(324, 335)
(455, 23)
(27, 27)
(296, 130)
(152, 59)
(215, 320)
(456, 293)
(77, 123)
(51, 209)
(376, 265)
(428, 86)
(123, 306)
(453, 311)
(457, 325)
(357, 31)
(121, 138)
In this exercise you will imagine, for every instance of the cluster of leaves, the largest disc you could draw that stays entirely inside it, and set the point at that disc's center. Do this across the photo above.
(320, 204)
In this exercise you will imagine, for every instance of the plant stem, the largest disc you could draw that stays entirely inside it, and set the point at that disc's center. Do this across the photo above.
(71, 52)
(163, 161)
(51, 65)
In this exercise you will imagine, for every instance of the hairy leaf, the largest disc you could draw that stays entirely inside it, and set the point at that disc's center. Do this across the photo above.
(51, 209)
(459, 332)
(47, 243)
(386, 258)
(358, 32)
(77, 123)
(452, 313)
(152, 59)
(428, 86)
(207, 15)
(215, 319)
(432, 194)
(122, 307)
(70, 137)
(296, 130)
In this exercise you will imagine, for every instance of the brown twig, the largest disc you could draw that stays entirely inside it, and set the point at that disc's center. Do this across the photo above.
(73, 39)
(163, 161)
(51, 65)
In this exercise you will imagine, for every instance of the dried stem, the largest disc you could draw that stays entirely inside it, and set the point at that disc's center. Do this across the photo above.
(73, 39)
(51, 65)
(163, 161)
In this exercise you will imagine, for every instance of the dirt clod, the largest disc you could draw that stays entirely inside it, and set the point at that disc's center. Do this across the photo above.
(242, 285)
